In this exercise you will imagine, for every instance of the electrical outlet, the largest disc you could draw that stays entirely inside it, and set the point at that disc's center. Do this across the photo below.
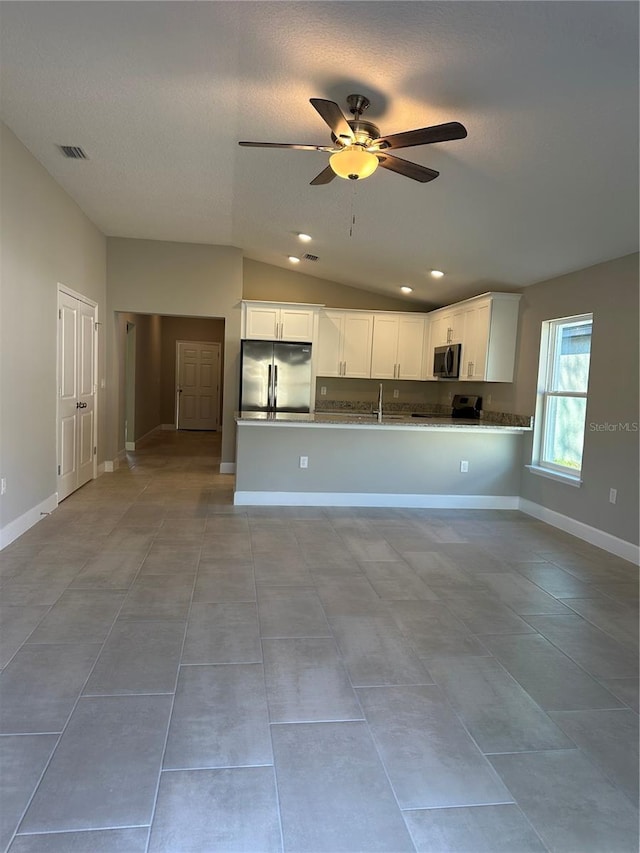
(488, 398)
(323, 390)
(449, 397)
(464, 466)
(3, 486)
(396, 393)
(613, 495)
(304, 461)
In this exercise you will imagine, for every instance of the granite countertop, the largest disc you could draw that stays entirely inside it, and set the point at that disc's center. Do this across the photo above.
(365, 419)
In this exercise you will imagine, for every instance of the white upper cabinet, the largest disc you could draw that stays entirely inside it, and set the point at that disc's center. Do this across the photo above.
(489, 338)
(274, 321)
(398, 341)
(344, 344)
(446, 326)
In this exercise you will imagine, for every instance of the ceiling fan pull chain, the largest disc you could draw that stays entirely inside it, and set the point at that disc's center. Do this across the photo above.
(353, 215)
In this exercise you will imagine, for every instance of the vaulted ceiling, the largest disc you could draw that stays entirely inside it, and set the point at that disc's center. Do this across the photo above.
(158, 94)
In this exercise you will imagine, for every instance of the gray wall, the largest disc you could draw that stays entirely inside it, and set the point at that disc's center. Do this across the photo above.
(382, 460)
(183, 279)
(264, 281)
(147, 376)
(45, 239)
(611, 459)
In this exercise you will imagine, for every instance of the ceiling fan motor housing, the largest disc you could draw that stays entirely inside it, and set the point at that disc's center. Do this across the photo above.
(365, 133)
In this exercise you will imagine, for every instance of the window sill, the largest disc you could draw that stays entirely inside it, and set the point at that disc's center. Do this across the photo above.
(559, 477)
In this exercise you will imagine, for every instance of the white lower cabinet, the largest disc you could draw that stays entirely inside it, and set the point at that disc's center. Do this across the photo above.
(344, 344)
(398, 341)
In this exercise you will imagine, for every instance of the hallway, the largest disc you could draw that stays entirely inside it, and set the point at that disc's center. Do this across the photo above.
(181, 675)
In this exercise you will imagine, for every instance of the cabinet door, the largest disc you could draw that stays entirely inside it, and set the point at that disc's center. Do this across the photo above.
(262, 323)
(409, 349)
(384, 353)
(356, 345)
(475, 342)
(329, 349)
(427, 351)
(456, 321)
(439, 324)
(296, 324)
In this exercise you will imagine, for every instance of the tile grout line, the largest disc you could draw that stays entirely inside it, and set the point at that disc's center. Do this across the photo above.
(75, 705)
(172, 706)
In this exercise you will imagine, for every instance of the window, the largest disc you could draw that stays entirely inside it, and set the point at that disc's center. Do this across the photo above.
(563, 378)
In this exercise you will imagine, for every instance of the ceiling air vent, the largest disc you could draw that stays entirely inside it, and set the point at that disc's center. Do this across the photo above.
(73, 152)
(309, 257)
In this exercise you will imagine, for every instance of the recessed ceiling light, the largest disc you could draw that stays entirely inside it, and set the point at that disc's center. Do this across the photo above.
(437, 273)
(406, 289)
(304, 237)
(293, 259)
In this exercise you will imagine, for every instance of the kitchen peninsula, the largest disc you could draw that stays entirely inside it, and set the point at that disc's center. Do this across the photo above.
(352, 459)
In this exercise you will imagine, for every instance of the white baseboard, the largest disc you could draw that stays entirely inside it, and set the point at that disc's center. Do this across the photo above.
(227, 467)
(131, 445)
(592, 535)
(32, 516)
(101, 469)
(111, 465)
(375, 499)
(168, 427)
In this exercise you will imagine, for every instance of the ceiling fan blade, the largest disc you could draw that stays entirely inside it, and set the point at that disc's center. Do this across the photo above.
(288, 145)
(409, 170)
(423, 136)
(325, 177)
(334, 117)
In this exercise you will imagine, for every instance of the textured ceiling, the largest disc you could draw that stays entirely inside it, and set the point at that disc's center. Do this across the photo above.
(159, 94)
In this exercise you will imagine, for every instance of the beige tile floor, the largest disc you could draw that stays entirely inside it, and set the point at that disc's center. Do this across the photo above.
(182, 675)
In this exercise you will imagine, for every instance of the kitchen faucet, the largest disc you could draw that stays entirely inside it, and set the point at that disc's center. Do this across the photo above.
(378, 411)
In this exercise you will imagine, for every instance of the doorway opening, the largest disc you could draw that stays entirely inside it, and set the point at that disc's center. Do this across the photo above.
(149, 365)
(130, 388)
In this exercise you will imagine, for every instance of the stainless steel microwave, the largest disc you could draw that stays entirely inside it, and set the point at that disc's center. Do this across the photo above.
(446, 361)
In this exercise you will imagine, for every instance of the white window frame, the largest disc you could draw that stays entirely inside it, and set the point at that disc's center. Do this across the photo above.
(549, 341)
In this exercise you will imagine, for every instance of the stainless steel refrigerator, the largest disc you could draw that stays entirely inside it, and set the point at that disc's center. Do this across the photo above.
(275, 377)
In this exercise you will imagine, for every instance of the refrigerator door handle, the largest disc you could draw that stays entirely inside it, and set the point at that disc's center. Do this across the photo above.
(275, 387)
(269, 405)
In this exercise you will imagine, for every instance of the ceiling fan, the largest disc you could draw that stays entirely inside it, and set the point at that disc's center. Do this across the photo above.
(359, 149)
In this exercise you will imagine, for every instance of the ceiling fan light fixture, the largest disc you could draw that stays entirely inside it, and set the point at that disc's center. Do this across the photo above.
(353, 163)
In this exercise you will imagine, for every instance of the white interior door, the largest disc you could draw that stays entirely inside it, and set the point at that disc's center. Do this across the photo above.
(76, 393)
(198, 385)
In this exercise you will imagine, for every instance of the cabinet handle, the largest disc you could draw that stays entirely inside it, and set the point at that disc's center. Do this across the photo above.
(344, 368)
(398, 372)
